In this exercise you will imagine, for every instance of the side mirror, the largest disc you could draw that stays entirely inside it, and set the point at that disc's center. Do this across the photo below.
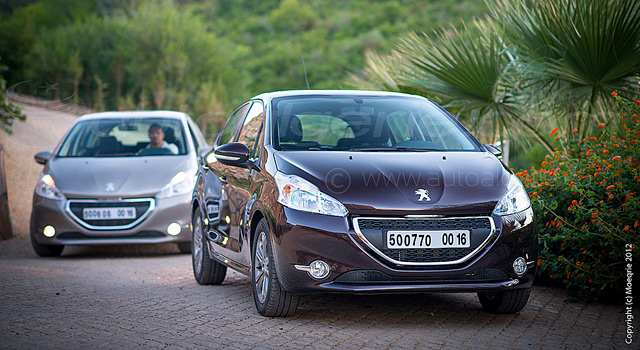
(42, 157)
(495, 150)
(234, 153)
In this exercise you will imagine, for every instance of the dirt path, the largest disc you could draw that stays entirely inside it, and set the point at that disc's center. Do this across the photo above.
(42, 131)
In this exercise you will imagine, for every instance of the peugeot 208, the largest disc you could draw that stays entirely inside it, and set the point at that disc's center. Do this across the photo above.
(359, 192)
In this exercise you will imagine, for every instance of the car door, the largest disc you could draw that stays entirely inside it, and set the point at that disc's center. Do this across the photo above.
(220, 206)
(239, 182)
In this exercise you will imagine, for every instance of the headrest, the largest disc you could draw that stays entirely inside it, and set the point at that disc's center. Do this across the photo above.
(290, 129)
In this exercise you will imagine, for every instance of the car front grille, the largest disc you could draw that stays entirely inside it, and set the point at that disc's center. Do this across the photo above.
(378, 277)
(373, 232)
(427, 255)
(142, 206)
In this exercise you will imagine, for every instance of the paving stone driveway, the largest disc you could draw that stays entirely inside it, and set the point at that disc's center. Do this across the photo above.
(145, 297)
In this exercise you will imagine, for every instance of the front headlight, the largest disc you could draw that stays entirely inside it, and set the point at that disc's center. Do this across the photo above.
(46, 188)
(181, 183)
(515, 200)
(298, 193)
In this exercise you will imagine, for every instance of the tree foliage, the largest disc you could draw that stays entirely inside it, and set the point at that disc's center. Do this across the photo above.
(8, 111)
(195, 55)
(534, 66)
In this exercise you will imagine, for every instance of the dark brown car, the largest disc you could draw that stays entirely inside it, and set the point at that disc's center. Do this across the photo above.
(359, 192)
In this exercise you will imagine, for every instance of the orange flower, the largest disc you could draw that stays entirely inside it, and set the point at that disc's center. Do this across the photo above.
(539, 262)
(636, 101)
(626, 228)
(636, 224)
(610, 196)
(553, 131)
(616, 158)
(571, 183)
(605, 151)
(614, 94)
(609, 187)
(589, 152)
(601, 125)
(593, 216)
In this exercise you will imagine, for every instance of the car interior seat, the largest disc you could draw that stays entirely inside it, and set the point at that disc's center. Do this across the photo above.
(107, 145)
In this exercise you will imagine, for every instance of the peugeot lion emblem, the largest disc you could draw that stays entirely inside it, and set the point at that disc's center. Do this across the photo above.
(424, 194)
(110, 187)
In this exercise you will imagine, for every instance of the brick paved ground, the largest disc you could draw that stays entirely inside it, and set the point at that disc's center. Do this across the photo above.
(145, 297)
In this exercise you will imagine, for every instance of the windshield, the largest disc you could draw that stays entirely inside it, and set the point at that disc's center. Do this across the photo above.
(124, 137)
(366, 123)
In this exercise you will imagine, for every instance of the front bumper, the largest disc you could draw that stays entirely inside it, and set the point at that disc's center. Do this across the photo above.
(70, 230)
(357, 268)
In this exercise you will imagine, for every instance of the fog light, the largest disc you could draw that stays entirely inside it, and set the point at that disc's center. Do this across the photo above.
(174, 228)
(319, 269)
(520, 266)
(49, 231)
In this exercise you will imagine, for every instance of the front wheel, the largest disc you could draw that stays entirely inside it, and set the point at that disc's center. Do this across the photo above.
(205, 269)
(269, 297)
(504, 302)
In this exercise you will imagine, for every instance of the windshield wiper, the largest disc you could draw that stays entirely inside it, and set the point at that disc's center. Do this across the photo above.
(417, 149)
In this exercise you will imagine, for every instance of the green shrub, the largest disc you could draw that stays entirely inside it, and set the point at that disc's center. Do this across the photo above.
(588, 210)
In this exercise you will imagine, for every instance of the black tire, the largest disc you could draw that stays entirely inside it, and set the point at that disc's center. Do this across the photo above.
(270, 299)
(184, 247)
(205, 269)
(504, 302)
(43, 249)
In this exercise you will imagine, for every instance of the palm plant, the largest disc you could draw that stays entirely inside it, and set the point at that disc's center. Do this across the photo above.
(467, 71)
(559, 58)
(575, 53)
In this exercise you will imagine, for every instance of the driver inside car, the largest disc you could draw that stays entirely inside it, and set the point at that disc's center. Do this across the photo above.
(156, 138)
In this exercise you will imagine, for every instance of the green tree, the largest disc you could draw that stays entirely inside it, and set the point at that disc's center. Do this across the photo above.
(8, 111)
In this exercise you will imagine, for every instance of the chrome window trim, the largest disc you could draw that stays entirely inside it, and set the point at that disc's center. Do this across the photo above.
(152, 204)
(443, 263)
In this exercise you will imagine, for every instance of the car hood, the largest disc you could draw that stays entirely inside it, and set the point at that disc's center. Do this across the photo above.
(403, 183)
(123, 177)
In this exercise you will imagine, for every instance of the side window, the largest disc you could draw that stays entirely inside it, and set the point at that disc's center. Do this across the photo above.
(252, 126)
(233, 123)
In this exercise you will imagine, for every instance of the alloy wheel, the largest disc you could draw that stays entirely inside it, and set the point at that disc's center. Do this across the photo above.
(261, 267)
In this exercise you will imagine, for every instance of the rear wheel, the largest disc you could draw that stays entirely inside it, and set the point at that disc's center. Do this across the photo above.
(43, 249)
(205, 269)
(504, 302)
(269, 297)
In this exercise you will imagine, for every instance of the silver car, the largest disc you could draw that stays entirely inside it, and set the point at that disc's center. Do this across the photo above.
(118, 178)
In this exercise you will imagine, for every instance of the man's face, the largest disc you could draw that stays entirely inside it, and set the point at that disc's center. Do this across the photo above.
(156, 136)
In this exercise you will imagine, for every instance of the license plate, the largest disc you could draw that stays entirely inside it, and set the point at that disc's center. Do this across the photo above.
(428, 239)
(122, 213)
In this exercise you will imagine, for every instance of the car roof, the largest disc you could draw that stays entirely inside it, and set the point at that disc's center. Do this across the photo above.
(289, 93)
(135, 114)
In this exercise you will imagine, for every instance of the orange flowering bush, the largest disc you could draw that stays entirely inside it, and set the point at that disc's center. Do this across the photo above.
(588, 208)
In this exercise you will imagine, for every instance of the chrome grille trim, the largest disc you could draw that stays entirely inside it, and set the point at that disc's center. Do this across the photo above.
(144, 215)
(444, 263)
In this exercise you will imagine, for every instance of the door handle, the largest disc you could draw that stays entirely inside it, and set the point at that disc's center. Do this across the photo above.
(223, 179)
